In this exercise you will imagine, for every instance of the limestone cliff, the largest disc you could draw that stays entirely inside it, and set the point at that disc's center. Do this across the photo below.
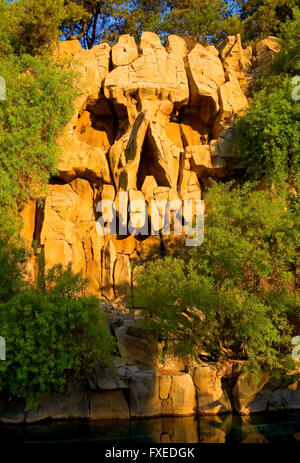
(152, 122)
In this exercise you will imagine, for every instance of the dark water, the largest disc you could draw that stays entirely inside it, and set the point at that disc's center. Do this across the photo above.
(224, 429)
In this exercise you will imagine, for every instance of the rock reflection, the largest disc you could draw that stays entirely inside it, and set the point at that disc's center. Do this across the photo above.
(213, 429)
(221, 429)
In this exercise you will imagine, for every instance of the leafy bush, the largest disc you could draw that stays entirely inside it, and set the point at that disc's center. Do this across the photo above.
(30, 120)
(52, 335)
(236, 296)
(268, 136)
(12, 267)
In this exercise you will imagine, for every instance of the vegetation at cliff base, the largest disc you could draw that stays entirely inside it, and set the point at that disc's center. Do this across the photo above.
(236, 295)
(54, 334)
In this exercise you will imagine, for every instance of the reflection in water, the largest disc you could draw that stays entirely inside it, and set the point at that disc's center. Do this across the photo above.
(208, 429)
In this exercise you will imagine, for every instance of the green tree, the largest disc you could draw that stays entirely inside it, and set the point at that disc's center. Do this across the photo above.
(237, 295)
(144, 15)
(38, 24)
(98, 20)
(265, 17)
(53, 335)
(198, 18)
(30, 120)
(268, 137)
(12, 269)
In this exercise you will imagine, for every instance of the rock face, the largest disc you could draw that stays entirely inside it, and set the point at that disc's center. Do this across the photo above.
(152, 122)
(269, 394)
(130, 391)
(211, 396)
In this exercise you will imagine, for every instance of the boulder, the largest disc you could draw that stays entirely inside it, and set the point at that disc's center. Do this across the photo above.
(92, 64)
(72, 404)
(211, 397)
(232, 54)
(125, 51)
(266, 45)
(84, 155)
(176, 45)
(245, 395)
(125, 154)
(155, 75)
(206, 74)
(266, 50)
(115, 378)
(108, 405)
(269, 394)
(123, 244)
(28, 217)
(200, 159)
(69, 232)
(149, 186)
(136, 346)
(232, 99)
(182, 395)
(144, 394)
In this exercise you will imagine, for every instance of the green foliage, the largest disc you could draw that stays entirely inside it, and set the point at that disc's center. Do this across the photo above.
(30, 120)
(288, 60)
(52, 336)
(236, 296)
(39, 24)
(12, 267)
(7, 28)
(198, 18)
(98, 21)
(33, 27)
(36, 25)
(268, 136)
(265, 17)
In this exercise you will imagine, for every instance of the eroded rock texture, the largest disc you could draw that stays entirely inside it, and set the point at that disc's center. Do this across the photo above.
(151, 122)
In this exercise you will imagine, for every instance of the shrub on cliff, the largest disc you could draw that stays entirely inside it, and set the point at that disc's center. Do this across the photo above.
(268, 136)
(38, 104)
(236, 296)
(53, 335)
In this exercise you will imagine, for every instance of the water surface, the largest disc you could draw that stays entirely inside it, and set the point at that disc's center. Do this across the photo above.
(262, 428)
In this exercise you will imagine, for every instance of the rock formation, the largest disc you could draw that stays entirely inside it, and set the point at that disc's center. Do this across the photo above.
(152, 122)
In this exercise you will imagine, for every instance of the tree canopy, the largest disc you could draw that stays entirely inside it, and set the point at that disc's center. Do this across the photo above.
(37, 24)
